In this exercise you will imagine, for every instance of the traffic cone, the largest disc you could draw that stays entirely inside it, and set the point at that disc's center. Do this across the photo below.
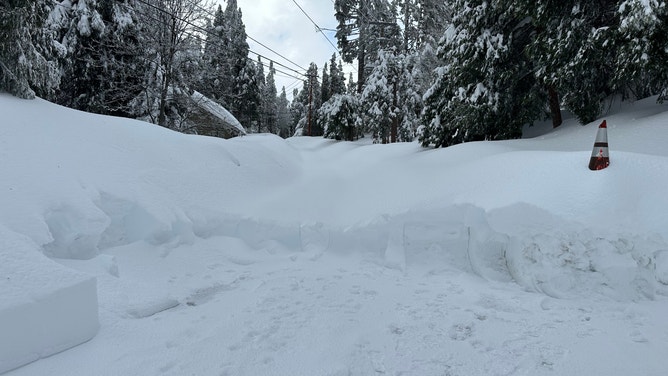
(600, 158)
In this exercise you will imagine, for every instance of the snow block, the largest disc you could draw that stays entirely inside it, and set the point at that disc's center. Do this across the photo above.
(45, 308)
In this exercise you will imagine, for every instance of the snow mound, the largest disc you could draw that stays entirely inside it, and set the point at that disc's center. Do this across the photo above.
(45, 308)
(579, 265)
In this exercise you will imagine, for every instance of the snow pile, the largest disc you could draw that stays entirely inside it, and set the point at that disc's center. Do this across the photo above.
(307, 256)
(76, 183)
(45, 307)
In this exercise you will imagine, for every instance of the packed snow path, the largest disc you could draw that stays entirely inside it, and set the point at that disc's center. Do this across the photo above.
(219, 308)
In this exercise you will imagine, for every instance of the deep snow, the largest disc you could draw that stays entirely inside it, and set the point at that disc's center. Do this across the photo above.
(262, 256)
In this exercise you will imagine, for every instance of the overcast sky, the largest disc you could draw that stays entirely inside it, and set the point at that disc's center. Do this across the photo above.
(281, 26)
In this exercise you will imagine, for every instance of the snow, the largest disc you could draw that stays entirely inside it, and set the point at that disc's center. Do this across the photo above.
(218, 111)
(45, 307)
(307, 256)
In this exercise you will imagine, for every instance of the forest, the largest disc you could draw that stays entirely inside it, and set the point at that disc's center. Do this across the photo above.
(440, 72)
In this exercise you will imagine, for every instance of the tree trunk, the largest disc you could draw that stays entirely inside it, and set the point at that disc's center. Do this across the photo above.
(360, 68)
(555, 108)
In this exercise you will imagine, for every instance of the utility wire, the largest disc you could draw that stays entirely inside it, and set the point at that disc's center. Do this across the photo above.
(318, 28)
(208, 11)
(207, 32)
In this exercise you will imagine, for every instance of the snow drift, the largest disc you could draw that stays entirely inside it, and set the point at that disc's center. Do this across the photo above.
(258, 255)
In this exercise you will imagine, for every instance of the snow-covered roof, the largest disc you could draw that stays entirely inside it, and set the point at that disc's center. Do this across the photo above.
(215, 109)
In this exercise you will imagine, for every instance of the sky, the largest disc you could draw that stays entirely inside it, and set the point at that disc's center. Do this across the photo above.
(283, 27)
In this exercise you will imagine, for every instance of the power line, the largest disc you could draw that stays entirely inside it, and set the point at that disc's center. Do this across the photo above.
(318, 28)
(255, 40)
(207, 32)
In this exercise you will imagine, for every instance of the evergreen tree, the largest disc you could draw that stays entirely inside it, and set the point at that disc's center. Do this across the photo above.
(485, 89)
(298, 109)
(119, 60)
(81, 31)
(271, 101)
(379, 99)
(103, 68)
(307, 103)
(261, 82)
(391, 102)
(325, 89)
(573, 51)
(643, 49)
(352, 85)
(337, 81)
(432, 20)
(248, 96)
(27, 57)
(216, 77)
(364, 28)
(283, 120)
(338, 117)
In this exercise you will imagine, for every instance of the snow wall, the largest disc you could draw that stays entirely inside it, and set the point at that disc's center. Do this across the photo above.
(45, 307)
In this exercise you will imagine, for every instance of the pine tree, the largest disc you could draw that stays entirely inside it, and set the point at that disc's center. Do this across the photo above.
(485, 89)
(352, 85)
(379, 99)
(248, 96)
(643, 49)
(364, 28)
(283, 120)
(27, 56)
(261, 81)
(391, 101)
(119, 60)
(306, 104)
(271, 101)
(325, 88)
(216, 76)
(337, 81)
(81, 32)
(573, 52)
(338, 117)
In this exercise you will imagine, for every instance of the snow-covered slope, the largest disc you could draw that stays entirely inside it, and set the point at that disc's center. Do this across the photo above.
(262, 256)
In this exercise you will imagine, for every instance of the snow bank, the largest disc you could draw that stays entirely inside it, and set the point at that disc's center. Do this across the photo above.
(77, 183)
(172, 223)
(45, 308)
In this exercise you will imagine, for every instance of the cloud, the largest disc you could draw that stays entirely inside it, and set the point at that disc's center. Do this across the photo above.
(281, 26)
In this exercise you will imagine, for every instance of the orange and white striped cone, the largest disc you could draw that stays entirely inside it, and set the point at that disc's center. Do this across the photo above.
(600, 158)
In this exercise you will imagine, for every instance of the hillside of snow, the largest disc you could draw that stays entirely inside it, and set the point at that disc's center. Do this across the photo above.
(306, 256)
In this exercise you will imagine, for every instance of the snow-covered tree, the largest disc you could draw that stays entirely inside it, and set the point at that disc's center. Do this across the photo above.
(643, 48)
(216, 74)
(247, 96)
(573, 52)
(27, 57)
(81, 31)
(391, 101)
(173, 48)
(103, 66)
(325, 87)
(307, 103)
(485, 89)
(283, 122)
(423, 21)
(337, 81)
(260, 81)
(339, 119)
(379, 99)
(364, 28)
(271, 101)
